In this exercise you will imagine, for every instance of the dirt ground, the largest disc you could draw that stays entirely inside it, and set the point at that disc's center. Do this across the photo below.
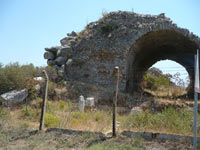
(23, 139)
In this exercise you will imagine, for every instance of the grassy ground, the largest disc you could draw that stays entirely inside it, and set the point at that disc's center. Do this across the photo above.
(169, 121)
(19, 138)
(171, 91)
(17, 124)
(66, 115)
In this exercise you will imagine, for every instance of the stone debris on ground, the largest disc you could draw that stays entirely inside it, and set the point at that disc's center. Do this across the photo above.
(161, 104)
(14, 96)
(136, 110)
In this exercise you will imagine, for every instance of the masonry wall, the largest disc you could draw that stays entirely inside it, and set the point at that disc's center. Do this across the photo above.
(90, 56)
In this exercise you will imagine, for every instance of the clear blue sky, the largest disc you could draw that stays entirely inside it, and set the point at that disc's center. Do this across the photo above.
(28, 26)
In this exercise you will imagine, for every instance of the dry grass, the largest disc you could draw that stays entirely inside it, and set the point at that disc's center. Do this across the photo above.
(168, 121)
(16, 122)
(66, 115)
(16, 138)
(171, 91)
(13, 138)
(58, 114)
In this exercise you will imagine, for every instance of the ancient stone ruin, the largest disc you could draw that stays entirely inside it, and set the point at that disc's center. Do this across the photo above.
(134, 42)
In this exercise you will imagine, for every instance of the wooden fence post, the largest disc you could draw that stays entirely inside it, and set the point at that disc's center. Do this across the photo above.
(115, 102)
(44, 102)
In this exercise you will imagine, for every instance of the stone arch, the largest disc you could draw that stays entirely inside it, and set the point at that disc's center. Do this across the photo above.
(159, 45)
(131, 41)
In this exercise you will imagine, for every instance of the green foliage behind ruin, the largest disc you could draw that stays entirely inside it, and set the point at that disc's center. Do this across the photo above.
(153, 82)
(14, 76)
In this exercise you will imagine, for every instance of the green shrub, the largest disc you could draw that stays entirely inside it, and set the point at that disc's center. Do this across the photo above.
(24, 125)
(69, 106)
(5, 114)
(30, 113)
(80, 118)
(178, 121)
(98, 116)
(51, 90)
(39, 102)
(51, 107)
(13, 76)
(62, 105)
(153, 82)
(80, 115)
(107, 28)
(51, 121)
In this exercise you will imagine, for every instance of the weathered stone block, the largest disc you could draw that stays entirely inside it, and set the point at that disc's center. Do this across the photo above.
(136, 110)
(51, 62)
(81, 104)
(49, 55)
(89, 101)
(14, 96)
(53, 49)
(64, 51)
(60, 60)
(73, 33)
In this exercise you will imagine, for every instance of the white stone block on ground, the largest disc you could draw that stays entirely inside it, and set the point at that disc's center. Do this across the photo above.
(81, 104)
(14, 96)
(89, 101)
(117, 124)
(136, 110)
(38, 78)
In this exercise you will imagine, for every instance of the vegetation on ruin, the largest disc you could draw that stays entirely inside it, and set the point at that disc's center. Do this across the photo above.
(16, 77)
(65, 114)
(159, 84)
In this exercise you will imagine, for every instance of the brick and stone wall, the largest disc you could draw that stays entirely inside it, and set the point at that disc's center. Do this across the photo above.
(134, 42)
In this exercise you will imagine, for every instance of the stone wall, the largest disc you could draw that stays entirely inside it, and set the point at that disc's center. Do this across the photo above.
(134, 42)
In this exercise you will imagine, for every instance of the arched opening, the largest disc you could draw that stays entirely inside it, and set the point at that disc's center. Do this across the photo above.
(166, 78)
(155, 46)
(173, 68)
